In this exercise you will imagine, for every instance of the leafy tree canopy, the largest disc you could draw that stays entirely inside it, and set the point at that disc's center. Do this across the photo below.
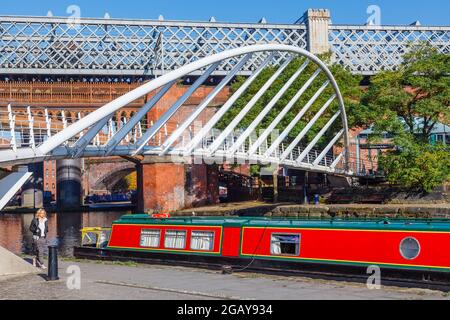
(417, 93)
(348, 84)
(408, 103)
(417, 164)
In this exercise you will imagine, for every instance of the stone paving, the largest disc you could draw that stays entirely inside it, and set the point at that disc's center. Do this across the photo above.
(121, 281)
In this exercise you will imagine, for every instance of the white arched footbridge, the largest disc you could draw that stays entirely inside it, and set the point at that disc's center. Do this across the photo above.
(95, 135)
(316, 101)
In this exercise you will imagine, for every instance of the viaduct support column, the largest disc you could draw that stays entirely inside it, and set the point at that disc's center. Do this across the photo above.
(160, 184)
(68, 179)
(212, 172)
(32, 192)
(202, 185)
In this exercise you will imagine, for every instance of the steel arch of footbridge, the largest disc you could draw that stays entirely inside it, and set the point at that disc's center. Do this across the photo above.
(78, 139)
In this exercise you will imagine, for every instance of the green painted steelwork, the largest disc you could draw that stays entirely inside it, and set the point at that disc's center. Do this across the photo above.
(429, 225)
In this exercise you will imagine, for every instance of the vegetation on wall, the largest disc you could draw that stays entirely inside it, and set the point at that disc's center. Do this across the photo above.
(408, 103)
(348, 84)
(128, 182)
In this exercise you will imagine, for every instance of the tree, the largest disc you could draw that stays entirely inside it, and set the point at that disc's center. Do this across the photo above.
(415, 97)
(417, 164)
(408, 103)
(129, 182)
(348, 84)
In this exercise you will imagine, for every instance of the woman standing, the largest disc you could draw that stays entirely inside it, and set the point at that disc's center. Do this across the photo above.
(39, 228)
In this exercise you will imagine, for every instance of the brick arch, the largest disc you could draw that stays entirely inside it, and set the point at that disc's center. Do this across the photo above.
(104, 175)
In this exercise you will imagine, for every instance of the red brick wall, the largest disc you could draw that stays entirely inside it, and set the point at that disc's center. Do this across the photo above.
(50, 176)
(213, 184)
(161, 187)
(368, 160)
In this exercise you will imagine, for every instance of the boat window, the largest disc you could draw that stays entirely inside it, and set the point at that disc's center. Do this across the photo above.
(285, 244)
(175, 239)
(409, 248)
(202, 240)
(150, 238)
(89, 239)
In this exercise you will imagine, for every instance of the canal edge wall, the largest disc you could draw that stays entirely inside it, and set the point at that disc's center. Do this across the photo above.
(12, 265)
(435, 211)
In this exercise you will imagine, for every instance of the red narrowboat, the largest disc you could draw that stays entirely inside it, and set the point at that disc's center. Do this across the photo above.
(275, 244)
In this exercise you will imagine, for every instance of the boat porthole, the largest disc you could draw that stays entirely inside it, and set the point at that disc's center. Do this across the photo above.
(409, 248)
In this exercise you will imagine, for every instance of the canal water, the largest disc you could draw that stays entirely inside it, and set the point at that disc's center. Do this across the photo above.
(64, 229)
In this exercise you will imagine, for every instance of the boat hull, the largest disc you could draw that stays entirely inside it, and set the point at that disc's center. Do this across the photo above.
(288, 268)
(330, 246)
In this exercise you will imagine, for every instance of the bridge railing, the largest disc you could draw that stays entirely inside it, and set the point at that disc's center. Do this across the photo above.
(51, 45)
(370, 49)
(148, 48)
(59, 94)
(18, 125)
(21, 128)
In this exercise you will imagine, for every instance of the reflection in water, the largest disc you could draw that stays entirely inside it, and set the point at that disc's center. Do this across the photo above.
(64, 229)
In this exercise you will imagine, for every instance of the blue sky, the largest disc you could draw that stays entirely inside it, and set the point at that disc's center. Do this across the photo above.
(429, 12)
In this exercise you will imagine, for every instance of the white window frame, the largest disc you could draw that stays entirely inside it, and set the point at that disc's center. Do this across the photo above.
(177, 231)
(159, 237)
(297, 251)
(204, 231)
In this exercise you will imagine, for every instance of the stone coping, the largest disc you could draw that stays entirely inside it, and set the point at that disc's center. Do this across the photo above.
(322, 211)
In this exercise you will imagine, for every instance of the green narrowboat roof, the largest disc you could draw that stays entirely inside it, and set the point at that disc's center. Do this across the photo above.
(369, 224)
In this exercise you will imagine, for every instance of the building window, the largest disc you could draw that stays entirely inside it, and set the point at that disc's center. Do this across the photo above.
(46, 173)
(409, 248)
(202, 240)
(363, 136)
(150, 238)
(285, 244)
(175, 239)
(379, 153)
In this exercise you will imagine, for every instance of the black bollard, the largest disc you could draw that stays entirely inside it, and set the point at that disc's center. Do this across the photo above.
(52, 263)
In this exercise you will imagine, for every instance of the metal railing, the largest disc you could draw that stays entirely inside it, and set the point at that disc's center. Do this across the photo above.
(60, 94)
(112, 47)
(128, 47)
(370, 49)
(30, 128)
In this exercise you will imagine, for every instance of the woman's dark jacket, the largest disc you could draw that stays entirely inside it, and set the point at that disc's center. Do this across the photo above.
(34, 228)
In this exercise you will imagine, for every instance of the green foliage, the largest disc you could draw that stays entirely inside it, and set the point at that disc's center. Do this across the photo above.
(128, 182)
(418, 92)
(420, 89)
(348, 83)
(255, 170)
(417, 164)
